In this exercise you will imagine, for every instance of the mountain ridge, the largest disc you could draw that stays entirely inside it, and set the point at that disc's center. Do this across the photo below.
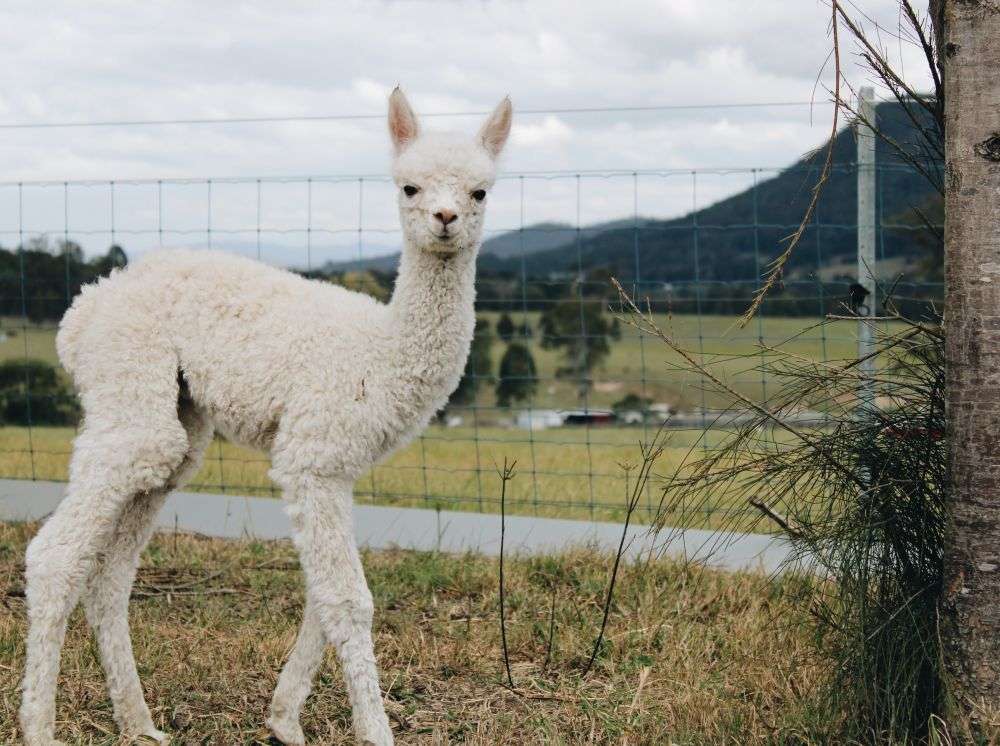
(733, 239)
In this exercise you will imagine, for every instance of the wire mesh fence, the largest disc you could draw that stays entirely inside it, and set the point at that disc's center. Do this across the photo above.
(556, 379)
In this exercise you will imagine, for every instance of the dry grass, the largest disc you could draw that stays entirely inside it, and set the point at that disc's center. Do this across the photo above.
(692, 657)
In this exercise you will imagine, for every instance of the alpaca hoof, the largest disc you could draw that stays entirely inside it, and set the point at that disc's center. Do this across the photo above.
(43, 741)
(152, 736)
(376, 739)
(288, 732)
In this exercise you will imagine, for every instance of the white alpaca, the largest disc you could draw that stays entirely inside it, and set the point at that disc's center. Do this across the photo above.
(329, 381)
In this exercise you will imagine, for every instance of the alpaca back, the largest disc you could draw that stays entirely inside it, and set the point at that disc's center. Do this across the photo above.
(147, 291)
(247, 336)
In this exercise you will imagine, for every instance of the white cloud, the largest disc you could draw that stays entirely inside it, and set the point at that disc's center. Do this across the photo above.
(551, 131)
(116, 59)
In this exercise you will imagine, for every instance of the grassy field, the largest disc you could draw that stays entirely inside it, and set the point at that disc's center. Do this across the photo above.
(567, 472)
(692, 657)
(637, 363)
(559, 473)
(643, 365)
(33, 341)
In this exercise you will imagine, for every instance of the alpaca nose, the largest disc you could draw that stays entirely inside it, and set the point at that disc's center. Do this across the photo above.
(446, 217)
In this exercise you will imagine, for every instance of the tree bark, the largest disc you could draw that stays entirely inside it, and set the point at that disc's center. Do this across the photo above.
(968, 38)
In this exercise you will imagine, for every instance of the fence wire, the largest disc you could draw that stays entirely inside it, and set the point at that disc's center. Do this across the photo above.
(594, 387)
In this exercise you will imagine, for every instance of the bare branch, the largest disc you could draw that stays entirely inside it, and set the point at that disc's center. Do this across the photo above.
(506, 474)
(651, 452)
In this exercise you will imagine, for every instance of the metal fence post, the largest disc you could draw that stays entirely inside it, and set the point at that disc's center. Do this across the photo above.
(866, 241)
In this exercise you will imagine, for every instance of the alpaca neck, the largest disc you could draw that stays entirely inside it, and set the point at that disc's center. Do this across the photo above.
(433, 317)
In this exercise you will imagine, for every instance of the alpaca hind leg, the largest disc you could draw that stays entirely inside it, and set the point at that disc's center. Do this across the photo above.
(323, 530)
(106, 605)
(296, 679)
(111, 464)
(110, 588)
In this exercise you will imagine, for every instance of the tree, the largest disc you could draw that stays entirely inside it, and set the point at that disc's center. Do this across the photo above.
(478, 366)
(52, 275)
(968, 40)
(71, 250)
(580, 328)
(518, 375)
(116, 258)
(548, 330)
(632, 402)
(505, 328)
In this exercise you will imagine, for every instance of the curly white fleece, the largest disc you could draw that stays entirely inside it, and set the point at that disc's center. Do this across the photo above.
(329, 381)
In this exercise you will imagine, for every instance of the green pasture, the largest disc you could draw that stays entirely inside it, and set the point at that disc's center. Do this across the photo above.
(644, 365)
(568, 472)
(564, 472)
(637, 363)
(21, 341)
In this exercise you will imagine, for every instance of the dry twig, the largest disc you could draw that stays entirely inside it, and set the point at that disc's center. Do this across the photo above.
(651, 452)
(506, 474)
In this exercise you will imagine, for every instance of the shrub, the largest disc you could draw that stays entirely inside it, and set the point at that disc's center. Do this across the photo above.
(862, 498)
(32, 393)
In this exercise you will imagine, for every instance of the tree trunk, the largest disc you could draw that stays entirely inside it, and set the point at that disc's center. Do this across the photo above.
(968, 37)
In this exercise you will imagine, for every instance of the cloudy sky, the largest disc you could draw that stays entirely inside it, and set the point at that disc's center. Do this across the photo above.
(108, 60)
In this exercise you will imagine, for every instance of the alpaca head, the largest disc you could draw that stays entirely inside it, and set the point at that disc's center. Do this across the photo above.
(444, 179)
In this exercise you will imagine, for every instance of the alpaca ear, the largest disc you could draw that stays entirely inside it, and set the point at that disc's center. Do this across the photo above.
(496, 129)
(402, 121)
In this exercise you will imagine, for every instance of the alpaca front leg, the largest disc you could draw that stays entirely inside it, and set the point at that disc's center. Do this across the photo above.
(321, 512)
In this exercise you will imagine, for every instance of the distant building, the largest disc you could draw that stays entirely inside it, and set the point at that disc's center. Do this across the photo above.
(661, 411)
(589, 417)
(538, 419)
(631, 417)
(541, 419)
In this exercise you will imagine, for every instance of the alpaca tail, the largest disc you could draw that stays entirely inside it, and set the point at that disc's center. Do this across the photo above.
(75, 323)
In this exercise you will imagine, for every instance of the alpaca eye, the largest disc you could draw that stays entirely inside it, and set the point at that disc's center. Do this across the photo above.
(479, 195)
(410, 190)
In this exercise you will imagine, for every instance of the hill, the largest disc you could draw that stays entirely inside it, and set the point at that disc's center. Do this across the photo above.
(535, 238)
(717, 243)
(506, 245)
(733, 240)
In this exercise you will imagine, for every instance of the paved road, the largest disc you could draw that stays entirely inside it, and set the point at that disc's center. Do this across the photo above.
(378, 527)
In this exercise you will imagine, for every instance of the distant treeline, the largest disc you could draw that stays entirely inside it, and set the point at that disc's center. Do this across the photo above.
(506, 291)
(40, 280)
